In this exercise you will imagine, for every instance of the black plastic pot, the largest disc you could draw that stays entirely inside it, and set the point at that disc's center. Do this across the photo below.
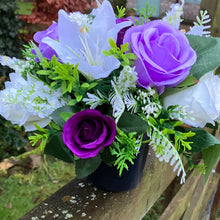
(107, 177)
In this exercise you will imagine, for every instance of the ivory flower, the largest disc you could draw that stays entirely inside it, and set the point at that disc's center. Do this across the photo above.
(27, 102)
(202, 101)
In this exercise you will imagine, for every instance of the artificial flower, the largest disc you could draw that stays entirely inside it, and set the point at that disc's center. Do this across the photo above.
(164, 54)
(28, 102)
(87, 132)
(121, 33)
(45, 49)
(83, 42)
(201, 101)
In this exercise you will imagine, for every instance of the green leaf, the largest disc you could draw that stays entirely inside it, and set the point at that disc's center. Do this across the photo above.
(112, 43)
(84, 167)
(85, 85)
(56, 114)
(37, 51)
(189, 81)
(44, 72)
(208, 56)
(210, 157)
(202, 140)
(66, 115)
(72, 102)
(58, 149)
(106, 53)
(132, 123)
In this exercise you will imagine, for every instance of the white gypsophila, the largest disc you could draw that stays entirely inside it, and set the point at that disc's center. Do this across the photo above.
(127, 79)
(169, 155)
(200, 27)
(202, 101)
(173, 17)
(151, 109)
(80, 19)
(95, 100)
(28, 102)
(180, 112)
(16, 64)
(148, 107)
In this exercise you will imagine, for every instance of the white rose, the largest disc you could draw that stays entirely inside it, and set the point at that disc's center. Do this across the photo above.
(202, 101)
(25, 102)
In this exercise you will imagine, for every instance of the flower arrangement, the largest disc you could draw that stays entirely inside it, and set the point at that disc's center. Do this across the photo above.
(96, 83)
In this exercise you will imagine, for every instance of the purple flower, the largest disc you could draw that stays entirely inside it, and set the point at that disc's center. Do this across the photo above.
(121, 33)
(87, 132)
(45, 49)
(164, 54)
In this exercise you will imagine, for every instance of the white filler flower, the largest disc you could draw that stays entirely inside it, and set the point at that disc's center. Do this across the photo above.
(27, 102)
(202, 101)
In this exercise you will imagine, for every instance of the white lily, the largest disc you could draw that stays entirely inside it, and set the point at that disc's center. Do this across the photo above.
(83, 42)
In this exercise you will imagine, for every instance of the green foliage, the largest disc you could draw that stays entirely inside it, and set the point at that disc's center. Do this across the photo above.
(124, 148)
(12, 143)
(118, 3)
(9, 26)
(57, 148)
(120, 53)
(56, 115)
(206, 143)
(189, 81)
(145, 14)
(134, 124)
(202, 140)
(208, 56)
(65, 76)
(121, 12)
(210, 156)
(42, 137)
(84, 167)
(33, 66)
(24, 8)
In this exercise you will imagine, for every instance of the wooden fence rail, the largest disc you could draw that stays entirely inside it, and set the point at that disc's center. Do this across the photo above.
(79, 200)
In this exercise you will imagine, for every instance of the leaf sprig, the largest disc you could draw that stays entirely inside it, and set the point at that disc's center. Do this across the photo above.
(120, 53)
(66, 76)
(126, 153)
(42, 137)
(121, 11)
(144, 14)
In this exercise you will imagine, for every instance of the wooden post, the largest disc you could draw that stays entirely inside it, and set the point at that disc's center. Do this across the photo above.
(213, 8)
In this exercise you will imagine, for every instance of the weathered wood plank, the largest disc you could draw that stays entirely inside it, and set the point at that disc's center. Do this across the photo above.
(77, 199)
(201, 197)
(216, 202)
(191, 199)
(180, 201)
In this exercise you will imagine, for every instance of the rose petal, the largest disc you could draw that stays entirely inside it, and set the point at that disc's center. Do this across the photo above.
(87, 132)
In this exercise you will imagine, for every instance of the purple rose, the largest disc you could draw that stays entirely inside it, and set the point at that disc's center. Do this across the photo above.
(121, 33)
(46, 50)
(164, 54)
(87, 132)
